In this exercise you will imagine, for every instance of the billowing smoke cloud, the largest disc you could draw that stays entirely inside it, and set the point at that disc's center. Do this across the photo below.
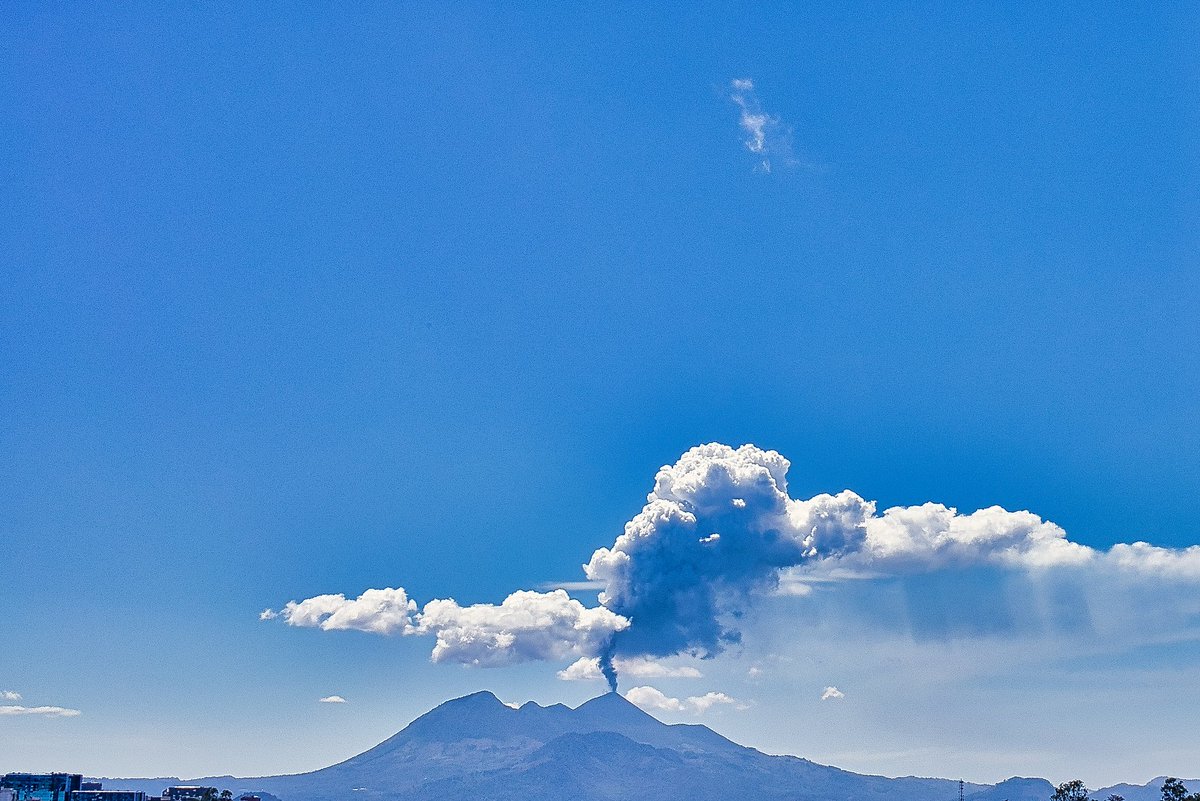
(718, 531)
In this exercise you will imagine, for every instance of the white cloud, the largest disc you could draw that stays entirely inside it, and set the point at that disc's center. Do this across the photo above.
(1149, 560)
(832, 694)
(653, 698)
(386, 611)
(525, 626)
(9, 695)
(45, 711)
(702, 703)
(331, 699)
(268, 614)
(588, 669)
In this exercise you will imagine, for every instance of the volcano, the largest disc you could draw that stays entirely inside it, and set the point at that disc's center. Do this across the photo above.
(476, 748)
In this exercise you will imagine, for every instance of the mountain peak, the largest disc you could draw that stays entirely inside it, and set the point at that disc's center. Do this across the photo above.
(454, 719)
(482, 697)
(613, 711)
(610, 698)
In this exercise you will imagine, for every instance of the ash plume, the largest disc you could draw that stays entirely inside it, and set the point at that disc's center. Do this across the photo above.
(607, 668)
(719, 530)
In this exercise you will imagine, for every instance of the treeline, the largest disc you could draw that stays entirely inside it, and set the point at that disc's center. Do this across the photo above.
(1172, 790)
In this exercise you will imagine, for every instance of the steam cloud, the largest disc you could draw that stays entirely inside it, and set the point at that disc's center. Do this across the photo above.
(718, 531)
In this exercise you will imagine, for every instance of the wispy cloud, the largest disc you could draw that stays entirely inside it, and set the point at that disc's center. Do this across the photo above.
(765, 135)
(9, 695)
(331, 699)
(44, 711)
(653, 698)
(832, 694)
(572, 586)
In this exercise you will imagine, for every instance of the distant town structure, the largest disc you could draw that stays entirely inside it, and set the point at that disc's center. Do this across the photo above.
(72, 787)
(107, 795)
(187, 792)
(41, 786)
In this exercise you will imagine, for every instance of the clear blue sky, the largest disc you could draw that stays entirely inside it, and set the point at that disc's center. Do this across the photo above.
(299, 301)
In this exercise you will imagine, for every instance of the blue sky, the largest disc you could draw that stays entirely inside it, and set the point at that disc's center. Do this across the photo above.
(302, 301)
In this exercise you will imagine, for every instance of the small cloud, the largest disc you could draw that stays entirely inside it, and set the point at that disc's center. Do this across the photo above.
(331, 699)
(45, 711)
(583, 669)
(588, 669)
(268, 614)
(765, 134)
(652, 698)
(9, 695)
(832, 694)
(754, 672)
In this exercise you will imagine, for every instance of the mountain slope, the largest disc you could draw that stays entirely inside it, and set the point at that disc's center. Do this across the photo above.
(476, 748)
(1150, 791)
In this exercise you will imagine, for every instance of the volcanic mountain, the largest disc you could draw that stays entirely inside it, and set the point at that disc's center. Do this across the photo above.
(476, 748)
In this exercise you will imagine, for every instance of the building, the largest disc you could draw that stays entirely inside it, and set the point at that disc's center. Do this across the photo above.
(107, 795)
(91, 786)
(41, 786)
(6, 794)
(190, 793)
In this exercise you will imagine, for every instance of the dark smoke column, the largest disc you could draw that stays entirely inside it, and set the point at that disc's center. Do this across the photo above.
(607, 668)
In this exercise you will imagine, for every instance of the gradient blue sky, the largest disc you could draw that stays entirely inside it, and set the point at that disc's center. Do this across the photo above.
(300, 301)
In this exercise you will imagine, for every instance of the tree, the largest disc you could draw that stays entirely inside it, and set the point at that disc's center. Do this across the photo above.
(1073, 790)
(1173, 790)
(1116, 798)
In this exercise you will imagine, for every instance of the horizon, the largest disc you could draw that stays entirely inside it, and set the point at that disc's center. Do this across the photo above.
(825, 376)
(517, 707)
